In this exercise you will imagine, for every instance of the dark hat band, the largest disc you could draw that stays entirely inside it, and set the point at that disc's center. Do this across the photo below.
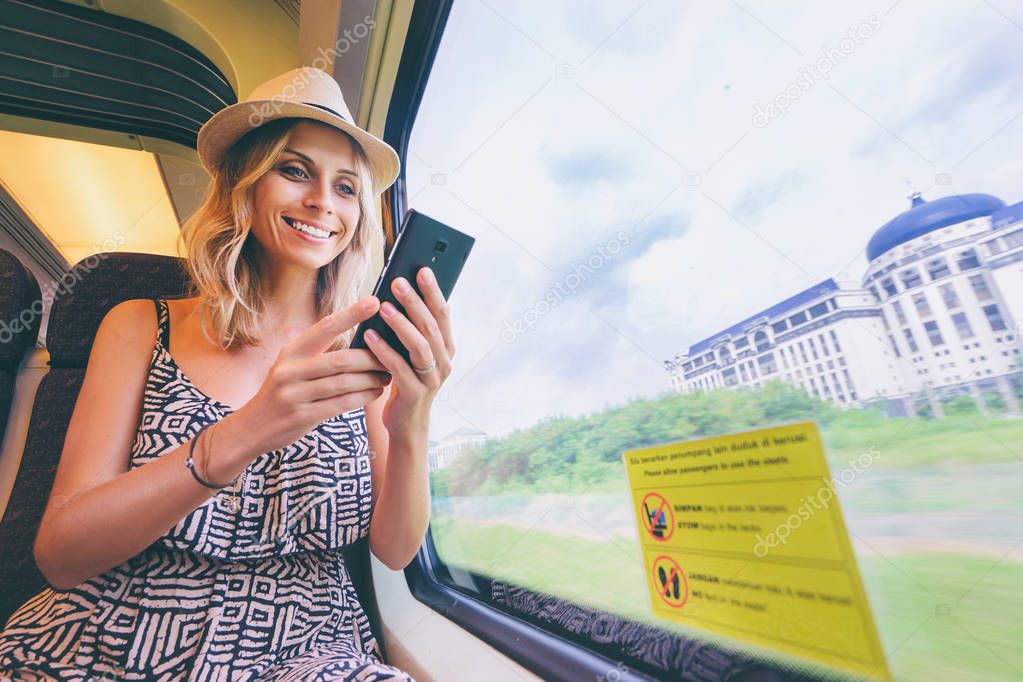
(328, 109)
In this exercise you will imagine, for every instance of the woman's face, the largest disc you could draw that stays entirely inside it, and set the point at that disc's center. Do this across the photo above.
(313, 182)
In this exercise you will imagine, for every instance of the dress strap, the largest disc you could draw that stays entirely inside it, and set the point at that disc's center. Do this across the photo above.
(163, 321)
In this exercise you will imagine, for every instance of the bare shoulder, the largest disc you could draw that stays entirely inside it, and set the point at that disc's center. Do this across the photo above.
(134, 322)
(109, 403)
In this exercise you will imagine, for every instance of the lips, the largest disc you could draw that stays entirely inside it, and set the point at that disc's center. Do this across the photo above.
(291, 223)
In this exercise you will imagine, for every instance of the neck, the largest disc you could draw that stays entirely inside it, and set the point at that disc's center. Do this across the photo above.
(289, 296)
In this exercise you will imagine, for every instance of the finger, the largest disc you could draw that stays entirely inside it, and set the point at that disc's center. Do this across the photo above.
(438, 305)
(346, 403)
(337, 362)
(420, 351)
(340, 384)
(389, 357)
(321, 335)
(422, 317)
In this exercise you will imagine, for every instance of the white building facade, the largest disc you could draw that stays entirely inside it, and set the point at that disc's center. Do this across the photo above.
(938, 313)
(453, 445)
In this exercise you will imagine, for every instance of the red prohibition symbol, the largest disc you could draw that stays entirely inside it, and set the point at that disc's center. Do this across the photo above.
(670, 581)
(658, 518)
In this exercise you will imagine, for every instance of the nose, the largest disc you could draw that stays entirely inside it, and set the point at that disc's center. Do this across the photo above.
(319, 195)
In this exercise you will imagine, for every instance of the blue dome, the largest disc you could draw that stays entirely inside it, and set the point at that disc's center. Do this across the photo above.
(927, 216)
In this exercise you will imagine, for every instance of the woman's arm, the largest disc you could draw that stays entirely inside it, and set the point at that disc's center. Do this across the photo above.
(401, 490)
(100, 512)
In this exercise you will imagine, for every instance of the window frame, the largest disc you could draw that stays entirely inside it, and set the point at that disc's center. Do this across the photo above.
(549, 654)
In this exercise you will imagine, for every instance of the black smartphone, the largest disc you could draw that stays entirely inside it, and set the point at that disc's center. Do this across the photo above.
(422, 242)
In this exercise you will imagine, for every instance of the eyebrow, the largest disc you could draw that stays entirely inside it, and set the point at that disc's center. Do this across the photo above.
(310, 161)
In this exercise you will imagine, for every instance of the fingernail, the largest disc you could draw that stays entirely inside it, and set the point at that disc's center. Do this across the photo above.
(387, 310)
(401, 285)
(427, 276)
(372, 335)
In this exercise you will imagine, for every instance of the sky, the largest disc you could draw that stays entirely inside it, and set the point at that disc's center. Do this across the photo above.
(640, 175)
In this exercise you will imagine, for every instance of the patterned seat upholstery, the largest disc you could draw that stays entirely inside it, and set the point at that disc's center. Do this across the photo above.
(74, 320)
(19, 325)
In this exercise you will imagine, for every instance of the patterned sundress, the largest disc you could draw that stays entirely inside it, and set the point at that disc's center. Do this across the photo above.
(249, 591)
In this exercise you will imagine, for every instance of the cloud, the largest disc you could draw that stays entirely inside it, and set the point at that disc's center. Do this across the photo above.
(586, 169)
(724, 218)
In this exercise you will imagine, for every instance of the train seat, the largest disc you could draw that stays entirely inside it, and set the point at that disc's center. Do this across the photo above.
(20, 319)
(74, 318)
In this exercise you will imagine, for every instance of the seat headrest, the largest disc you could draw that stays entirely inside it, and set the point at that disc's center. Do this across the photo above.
(95, 285)
(22, 310)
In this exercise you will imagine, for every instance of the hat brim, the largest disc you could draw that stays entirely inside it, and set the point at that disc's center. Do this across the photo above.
(231, 123)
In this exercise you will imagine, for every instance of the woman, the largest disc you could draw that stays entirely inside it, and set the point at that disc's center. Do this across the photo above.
(327, 446)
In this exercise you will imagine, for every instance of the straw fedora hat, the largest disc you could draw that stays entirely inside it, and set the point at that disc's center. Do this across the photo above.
(305, 92)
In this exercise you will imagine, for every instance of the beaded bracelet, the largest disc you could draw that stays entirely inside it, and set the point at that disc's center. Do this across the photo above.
(191, 464)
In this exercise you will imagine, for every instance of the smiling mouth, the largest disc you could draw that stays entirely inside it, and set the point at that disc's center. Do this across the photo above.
(291, 223)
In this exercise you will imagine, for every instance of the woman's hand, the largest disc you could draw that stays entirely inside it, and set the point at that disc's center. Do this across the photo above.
(426, 333)
(307, 385)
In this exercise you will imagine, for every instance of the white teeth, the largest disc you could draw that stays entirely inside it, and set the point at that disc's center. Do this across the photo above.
(309, 229)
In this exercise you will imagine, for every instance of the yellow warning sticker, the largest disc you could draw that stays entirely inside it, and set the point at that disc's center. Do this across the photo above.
(742, 537)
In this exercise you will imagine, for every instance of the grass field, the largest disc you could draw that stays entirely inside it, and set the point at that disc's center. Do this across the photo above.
(912, 443)
(940, 616)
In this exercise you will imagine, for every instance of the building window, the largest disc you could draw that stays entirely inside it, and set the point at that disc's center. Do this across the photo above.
(824, 345)
(819, 309)
(962, 326)
(994, 318)
(900, 314)
(766, 363)
(994, 247)
(741, 342)
(889, 286)
(968, 260)
(761, 341)
(834, 340)
(895, 346)
(813, 348)
(948, 293)
(922, 307)
(798, 318)
(729, 375)
(802, 351)
(938, 268)
(1014, 239)
(933, 333)
(910, 278)
(779, 327)
(910, 340)
(980, 287)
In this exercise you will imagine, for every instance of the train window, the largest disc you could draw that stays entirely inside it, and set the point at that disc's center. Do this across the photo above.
(649, 181)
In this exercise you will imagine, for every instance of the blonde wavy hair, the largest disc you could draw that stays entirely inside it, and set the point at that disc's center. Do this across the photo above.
(222, 260)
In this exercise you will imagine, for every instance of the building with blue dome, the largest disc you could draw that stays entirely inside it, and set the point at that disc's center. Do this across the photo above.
(939, 313)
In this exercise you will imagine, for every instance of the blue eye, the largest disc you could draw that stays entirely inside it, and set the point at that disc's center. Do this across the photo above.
(350, 191)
